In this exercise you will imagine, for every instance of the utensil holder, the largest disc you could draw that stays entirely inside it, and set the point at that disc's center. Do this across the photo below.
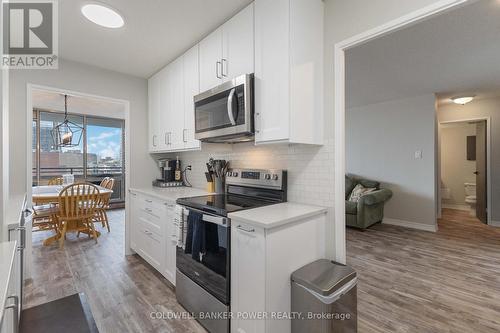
(220, 185)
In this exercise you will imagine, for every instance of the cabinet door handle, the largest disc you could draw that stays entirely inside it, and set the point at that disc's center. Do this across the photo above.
(15, 313)
(245, 230)
(166, 138)
(184, 135)
(149, 201)
(224, 61)
(149, 210)
(154, 140)
(218, 65)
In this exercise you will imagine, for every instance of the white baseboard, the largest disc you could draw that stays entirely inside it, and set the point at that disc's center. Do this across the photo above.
(456, 206)
(410, 224)
(494, 223)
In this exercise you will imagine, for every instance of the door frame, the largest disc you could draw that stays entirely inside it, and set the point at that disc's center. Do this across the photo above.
(339, 107)
(30, 87)
(488, 160)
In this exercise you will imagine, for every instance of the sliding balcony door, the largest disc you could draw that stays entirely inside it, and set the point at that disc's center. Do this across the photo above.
(54, 161)
(104, 152)
(100, 153)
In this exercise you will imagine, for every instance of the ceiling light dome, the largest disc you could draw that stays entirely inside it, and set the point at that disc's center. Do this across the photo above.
(103, 15)
(462, 100)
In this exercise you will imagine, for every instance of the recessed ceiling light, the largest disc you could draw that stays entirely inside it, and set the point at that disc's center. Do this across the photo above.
(102, 15)
(462, 100)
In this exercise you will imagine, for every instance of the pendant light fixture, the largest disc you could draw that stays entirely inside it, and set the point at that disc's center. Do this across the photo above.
(67, 133)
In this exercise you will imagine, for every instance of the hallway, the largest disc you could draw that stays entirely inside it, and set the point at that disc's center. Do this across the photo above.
(417, 281)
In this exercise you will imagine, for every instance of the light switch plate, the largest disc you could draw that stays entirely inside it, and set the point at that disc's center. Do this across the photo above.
(418, 154)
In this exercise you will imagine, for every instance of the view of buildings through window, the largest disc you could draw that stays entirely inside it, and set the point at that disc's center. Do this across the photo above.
(99, 153)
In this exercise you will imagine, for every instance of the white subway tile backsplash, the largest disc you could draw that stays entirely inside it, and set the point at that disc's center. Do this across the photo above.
(310, 168)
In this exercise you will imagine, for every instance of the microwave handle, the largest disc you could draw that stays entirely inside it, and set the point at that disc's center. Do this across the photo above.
(230, 107)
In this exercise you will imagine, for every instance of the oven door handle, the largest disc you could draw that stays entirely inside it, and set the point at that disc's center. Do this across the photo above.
(222, 221)
(219, 220)
(230, 112)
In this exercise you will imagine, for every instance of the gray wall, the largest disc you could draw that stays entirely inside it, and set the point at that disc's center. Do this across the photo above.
(381, 141)
(455, 168)
(85, 79)
(344, 19)
(489, 107)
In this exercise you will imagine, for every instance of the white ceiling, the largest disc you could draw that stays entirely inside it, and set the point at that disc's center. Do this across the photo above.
(52, 101)
(451, 54)
(155, 32)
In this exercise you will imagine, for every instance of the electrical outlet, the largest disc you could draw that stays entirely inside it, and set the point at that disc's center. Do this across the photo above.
(418, 154)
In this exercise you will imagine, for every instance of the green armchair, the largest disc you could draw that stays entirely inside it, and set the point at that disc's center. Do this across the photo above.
(370, 207)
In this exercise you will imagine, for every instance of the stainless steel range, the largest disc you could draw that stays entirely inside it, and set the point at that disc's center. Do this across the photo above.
(203, 257)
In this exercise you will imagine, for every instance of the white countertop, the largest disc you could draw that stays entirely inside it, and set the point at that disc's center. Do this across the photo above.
(7, 253)
(14, 210)
(169, 194)
(277, 215)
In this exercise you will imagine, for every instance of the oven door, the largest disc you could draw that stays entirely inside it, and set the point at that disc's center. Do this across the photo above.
(225, 111)
(204, 256)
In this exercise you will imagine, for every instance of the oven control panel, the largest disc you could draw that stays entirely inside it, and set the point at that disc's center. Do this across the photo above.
(272, 178)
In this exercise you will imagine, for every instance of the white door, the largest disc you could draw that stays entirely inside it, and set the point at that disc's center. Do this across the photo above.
(191, 89)
(272, 64)
(176, 116)
(248, 277)
(211, 60)
(238, 44)
(153, 111)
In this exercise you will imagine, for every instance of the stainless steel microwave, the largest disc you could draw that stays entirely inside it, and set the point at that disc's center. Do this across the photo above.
(226, 112)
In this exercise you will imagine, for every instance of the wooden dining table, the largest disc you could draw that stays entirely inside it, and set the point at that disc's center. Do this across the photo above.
(47, 194)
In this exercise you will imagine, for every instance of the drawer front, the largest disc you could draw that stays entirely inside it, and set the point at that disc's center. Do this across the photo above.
(150, 247)
(152, 225)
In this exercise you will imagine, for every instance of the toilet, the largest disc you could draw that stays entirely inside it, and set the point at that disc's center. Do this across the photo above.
(470, 197)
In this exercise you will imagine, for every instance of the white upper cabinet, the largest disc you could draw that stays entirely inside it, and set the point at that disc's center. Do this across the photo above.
(289, 71)
(238, 45)
(211, 60)
(191, 89)
(164, 115)
(176, 118)
(171, 105)
(228, 51)
(154, 111)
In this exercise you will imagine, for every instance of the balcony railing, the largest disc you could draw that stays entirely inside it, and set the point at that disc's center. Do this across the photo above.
(94, 175)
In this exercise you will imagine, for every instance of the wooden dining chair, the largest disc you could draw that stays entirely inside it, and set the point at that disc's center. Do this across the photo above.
(56, 181)
(101, 212)
(44, 216)
(104, 182)
(77, 206)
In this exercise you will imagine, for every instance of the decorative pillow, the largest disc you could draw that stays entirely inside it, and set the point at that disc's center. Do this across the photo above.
(359, 191)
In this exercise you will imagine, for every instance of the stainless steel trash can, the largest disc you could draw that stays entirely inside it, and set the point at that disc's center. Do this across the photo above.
(324, 298)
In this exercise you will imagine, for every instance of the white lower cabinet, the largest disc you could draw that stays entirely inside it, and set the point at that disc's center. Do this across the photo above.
(262, 261)
(151, 226)
(248, 268)
(9, 322)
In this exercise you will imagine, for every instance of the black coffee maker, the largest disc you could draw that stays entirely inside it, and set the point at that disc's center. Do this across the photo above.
(167, 170)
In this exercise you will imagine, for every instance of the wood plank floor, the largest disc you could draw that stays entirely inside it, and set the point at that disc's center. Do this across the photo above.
(410, 281)
(417, 281)
(122, 290)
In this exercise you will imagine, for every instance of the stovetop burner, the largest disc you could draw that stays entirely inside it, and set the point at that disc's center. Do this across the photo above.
(246, 189)
(222, 204)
